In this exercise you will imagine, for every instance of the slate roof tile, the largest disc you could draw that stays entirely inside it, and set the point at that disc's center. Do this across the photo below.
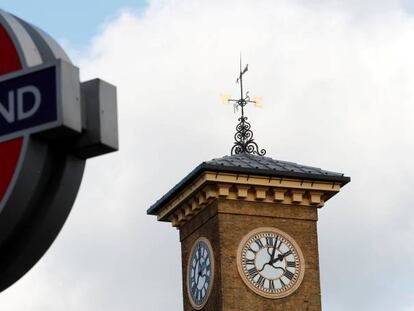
(255, 165)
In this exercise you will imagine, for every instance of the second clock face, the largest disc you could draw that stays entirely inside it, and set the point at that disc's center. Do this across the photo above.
(200, 273)
(270, 262)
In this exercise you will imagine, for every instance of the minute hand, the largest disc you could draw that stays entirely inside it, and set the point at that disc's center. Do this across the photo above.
(272, 256)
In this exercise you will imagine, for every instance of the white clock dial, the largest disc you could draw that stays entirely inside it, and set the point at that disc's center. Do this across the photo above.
(200, 273)
(270, 262)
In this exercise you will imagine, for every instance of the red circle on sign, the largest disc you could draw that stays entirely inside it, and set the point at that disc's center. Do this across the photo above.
(10, 150)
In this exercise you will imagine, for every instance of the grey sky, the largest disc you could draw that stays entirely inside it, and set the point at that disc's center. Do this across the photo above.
(337, 85)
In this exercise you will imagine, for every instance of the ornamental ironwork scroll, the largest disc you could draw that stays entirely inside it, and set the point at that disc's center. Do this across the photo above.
(244, 141)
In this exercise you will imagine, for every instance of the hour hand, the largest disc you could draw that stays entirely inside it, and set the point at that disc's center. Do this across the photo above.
(202, 268)
(281, 257)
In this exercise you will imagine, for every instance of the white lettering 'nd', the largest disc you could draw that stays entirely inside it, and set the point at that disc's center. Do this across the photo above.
(9, 112)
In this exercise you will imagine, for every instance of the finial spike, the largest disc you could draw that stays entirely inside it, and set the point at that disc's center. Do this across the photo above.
(240, 62)
(244, 142)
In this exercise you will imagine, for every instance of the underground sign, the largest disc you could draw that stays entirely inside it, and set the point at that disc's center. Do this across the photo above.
(50, 123)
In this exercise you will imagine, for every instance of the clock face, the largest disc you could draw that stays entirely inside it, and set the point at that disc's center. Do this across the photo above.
(200, 273)
(270, 262)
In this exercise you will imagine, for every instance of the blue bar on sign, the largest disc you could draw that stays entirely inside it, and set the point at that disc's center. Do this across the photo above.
(28, 101)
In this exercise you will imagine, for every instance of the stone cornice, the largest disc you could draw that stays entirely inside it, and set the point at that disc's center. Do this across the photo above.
(211, 185)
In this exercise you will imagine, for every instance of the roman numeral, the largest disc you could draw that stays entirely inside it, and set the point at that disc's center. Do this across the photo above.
(253, 272)
(280, 244)
(281, 282)
(198, 254)
(261, 281)
(194, 289)
(269, 241)
(259, 243)
(252, 250)
(289, 274)
(249, 261)
(291, 264)
(272, 285)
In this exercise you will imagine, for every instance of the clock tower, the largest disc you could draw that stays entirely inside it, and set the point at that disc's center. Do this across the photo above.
(248, 228)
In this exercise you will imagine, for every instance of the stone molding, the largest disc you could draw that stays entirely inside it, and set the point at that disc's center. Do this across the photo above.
(212, 185)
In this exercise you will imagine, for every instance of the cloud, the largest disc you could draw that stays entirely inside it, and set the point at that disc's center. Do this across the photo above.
(336, 80)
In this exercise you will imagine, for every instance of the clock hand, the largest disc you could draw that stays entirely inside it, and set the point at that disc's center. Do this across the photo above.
(271, 262)
(280, 257)
(203, 266)
(272, 256)
(199, 271)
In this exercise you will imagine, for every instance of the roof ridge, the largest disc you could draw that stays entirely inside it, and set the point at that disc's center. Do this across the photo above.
(268, 163)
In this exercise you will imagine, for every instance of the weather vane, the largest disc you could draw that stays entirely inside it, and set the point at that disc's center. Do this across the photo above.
(244, 142)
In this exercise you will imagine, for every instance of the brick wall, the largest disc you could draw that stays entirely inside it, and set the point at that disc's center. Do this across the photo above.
(225, 222)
